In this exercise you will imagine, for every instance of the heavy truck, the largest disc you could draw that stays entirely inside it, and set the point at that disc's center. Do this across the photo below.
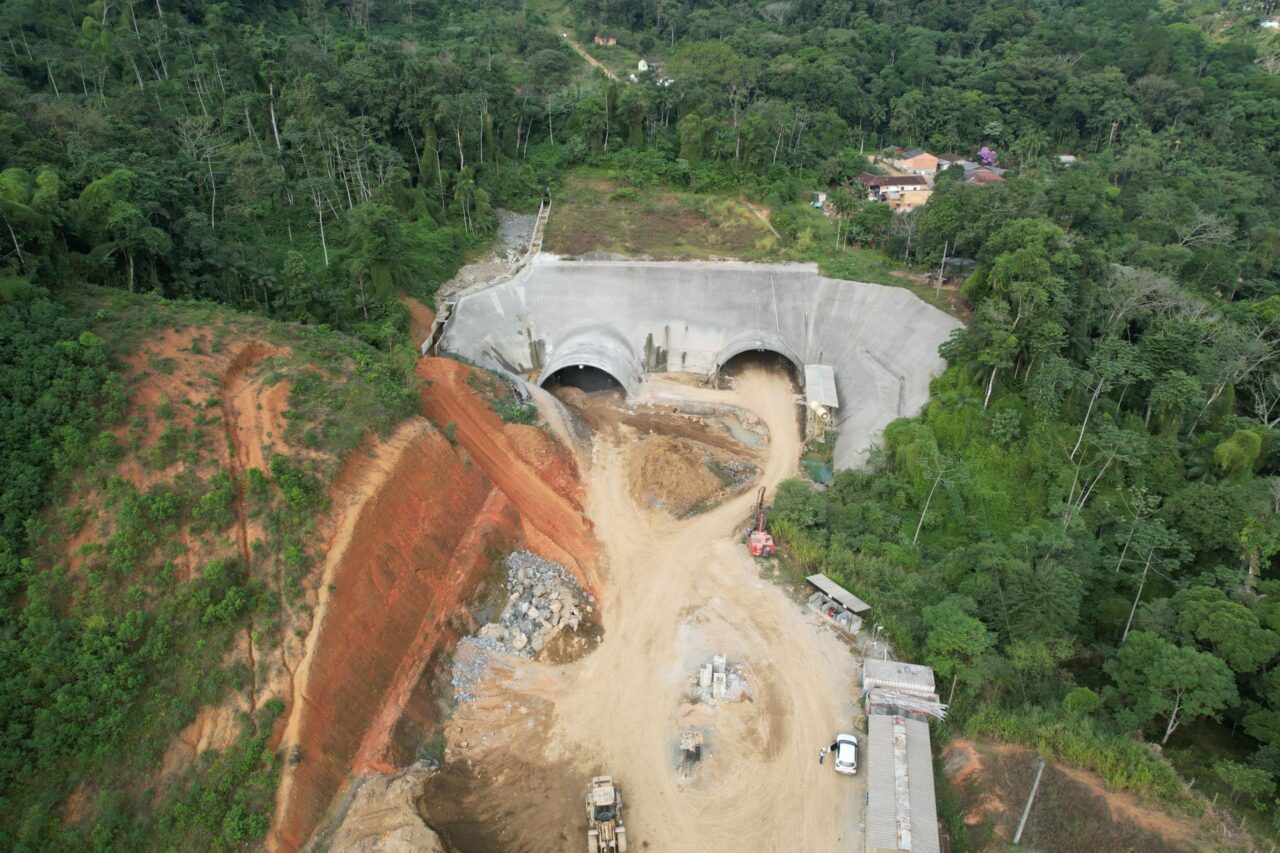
(605, 832)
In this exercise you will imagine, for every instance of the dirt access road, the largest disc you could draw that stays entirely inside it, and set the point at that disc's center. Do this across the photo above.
(676, 592)
(582, 51)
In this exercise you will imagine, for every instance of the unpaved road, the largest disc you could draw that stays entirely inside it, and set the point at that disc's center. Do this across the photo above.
(675, 592)
(582, 51)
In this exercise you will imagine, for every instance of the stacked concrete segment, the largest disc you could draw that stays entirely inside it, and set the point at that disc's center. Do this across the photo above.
(630, 317)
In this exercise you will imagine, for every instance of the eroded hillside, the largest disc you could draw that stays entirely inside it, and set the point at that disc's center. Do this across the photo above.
(176, 568)
(261, 561)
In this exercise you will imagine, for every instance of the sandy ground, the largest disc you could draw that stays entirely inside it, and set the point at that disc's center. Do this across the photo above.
(675, 593)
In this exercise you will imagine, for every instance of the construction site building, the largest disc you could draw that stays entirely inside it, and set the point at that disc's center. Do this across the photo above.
(821, 399)
(894, 687)
(902, 811)
(908, 677)
(836, 604)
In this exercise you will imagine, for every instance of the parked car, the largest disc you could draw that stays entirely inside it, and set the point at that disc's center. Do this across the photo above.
(846, 753)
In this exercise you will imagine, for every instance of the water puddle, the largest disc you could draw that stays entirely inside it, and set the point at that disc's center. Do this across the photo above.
(739, 432)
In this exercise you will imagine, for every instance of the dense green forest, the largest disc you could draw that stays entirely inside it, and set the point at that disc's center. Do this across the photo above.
(1079, 533)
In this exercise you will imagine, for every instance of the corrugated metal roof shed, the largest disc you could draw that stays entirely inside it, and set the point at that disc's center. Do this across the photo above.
(829, 587)
(901, 806)
(901, 701)
(914, 677)
(820, 385)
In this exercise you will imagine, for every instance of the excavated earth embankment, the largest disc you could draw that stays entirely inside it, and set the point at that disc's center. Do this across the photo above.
(451, 501)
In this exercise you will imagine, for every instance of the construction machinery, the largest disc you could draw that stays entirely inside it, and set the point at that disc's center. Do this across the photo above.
(690, 752)
(605, 832)
(759, 541)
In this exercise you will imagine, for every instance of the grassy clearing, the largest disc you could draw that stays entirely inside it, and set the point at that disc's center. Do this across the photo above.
(1123, 763)
(595, 213)
(598, 212)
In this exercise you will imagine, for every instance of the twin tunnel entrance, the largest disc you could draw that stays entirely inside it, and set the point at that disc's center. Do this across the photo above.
(593, 379)
(584, 377)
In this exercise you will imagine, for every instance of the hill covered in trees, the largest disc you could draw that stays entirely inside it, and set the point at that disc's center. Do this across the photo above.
(1080, 532)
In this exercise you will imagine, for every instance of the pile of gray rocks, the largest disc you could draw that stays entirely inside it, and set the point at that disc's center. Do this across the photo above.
(543, 598)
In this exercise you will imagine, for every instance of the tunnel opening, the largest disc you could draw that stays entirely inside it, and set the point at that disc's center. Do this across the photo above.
(584, 377)
(765, 360)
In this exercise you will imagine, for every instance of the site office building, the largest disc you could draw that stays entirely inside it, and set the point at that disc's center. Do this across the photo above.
(902, 812)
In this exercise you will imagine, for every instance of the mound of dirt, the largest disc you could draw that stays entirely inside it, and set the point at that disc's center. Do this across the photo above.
(552, 519)
(1074, 810)
(599, 413)
(682, 476)
(671, 473)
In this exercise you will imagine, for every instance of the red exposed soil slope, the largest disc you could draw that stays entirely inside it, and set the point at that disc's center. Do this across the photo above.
(421, 534)
(420, 319)
(548, 496)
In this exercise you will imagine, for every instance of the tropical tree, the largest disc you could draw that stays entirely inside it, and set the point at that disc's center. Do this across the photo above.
(1155, 679)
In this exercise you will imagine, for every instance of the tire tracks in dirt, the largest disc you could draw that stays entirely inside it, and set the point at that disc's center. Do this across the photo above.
(679, 590)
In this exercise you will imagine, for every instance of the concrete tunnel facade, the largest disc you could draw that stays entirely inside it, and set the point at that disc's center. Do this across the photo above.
(628, 318)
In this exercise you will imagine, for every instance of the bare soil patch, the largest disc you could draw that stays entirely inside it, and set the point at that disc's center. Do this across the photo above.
(569, 646)
(493, 792)
(421, 319)
(521, 752)
(1074, 810)
(683, 476)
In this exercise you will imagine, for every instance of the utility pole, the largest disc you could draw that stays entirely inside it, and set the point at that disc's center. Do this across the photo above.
(942, 266)
(1031, 798)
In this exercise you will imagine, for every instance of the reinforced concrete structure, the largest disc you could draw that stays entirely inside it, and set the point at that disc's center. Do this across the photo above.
(627, 318)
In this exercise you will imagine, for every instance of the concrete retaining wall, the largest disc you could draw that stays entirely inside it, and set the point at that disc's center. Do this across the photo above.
(631, 317)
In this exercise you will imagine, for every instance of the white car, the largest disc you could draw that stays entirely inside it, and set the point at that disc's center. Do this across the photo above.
(846, 753)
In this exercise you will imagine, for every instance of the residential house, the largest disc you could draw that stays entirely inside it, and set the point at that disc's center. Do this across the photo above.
(647, 64)
(902, 192)
(946, 161)
(984, 175)
(917, 162)
(605, 41)
(1066, 159)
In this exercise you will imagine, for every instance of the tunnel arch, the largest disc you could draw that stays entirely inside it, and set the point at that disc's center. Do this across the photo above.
(599, 346)
(760, 342)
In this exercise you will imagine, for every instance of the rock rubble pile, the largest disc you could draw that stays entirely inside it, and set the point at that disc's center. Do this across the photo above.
(544, 598)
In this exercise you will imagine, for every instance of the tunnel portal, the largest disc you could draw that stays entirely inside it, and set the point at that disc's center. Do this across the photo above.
(564, 321)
